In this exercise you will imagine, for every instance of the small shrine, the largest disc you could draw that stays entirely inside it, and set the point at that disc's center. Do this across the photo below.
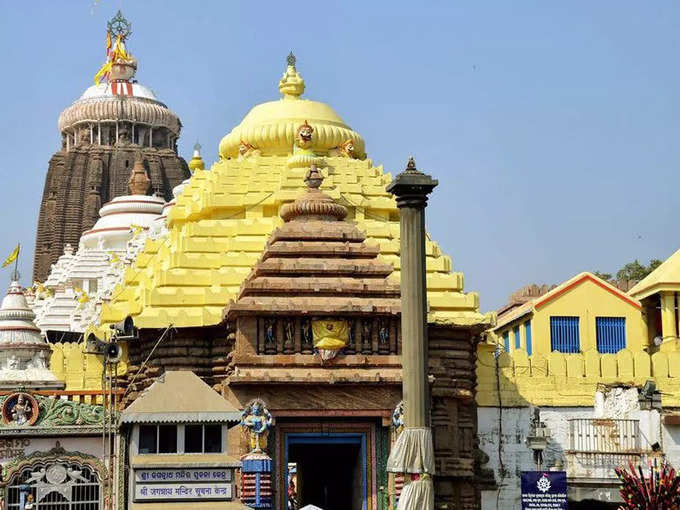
(24, 353)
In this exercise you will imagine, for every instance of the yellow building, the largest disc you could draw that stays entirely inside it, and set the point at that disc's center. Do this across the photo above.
(582, 314)
(658, 293)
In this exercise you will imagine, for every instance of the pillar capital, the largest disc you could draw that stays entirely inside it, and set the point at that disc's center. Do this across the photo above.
(411, 187)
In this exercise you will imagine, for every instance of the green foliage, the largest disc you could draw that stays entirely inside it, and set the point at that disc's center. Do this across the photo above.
(632, 272)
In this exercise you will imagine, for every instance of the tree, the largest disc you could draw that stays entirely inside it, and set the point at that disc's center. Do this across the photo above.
(631, 272)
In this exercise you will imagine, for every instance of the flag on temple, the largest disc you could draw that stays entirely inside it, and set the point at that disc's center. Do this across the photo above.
(331, 335)
(12, 256)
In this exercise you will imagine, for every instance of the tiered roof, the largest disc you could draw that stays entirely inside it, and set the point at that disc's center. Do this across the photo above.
(220, 224)
(317, 263)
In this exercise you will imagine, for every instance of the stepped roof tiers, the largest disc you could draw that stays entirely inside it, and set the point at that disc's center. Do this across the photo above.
(101, 133)
(24, 353)
(223, 249)
(78, 282)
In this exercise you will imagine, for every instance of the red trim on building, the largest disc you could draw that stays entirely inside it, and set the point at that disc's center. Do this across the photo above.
(550, 296)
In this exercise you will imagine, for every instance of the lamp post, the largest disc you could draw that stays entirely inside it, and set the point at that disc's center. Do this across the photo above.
(413, 452)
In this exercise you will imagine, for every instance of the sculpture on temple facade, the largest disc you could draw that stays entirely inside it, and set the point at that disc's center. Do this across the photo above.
(345, 150)
(246, 150)
(398, 417)
(303, 139)
(20, 409)
(256, 420)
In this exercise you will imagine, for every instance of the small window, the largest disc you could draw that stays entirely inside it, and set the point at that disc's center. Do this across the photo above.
(518, 341)
(611, 334)
(147, 439)
(167, 439)
(506, 341)
(213, 438)
(527, 334)
(564, 334)
(203, 438)
(193, 438)
(158, 439)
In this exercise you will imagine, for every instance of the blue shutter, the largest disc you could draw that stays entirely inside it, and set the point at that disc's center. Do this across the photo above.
(564, 334)
(518, 343)
(611, 334)
(506, 341)
(527, 333)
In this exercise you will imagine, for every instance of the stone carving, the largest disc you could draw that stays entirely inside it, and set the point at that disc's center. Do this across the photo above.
(288, 335)
(19, 409)
(307, 336)
(366, 336)
(270, 336)
(383, 332)
(256, 420)
(48, 412)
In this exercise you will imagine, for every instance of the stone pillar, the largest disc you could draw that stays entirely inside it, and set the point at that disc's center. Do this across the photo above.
(150, 136)
(413, 453)
(669, 331)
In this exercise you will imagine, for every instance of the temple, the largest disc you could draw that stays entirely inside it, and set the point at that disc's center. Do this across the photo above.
(102, 132)
(278, 280)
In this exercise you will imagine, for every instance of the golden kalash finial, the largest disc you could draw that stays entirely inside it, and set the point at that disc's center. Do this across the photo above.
(291, 85)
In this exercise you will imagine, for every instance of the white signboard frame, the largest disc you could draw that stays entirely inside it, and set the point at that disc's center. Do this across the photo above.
(177, 484)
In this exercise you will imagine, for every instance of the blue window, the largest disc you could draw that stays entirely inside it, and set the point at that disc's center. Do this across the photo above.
(611, 334)
(527, 334)
(518, 342)
(564, 334)
(506, 341)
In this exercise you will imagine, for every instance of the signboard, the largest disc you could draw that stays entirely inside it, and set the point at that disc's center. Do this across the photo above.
(183, 475)
(182, 491)
(191, 484)
(544, 490)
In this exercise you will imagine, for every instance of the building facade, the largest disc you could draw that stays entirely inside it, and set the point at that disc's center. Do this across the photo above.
(571, 378)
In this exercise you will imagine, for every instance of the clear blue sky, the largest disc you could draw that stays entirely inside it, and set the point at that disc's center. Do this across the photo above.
(553, 127)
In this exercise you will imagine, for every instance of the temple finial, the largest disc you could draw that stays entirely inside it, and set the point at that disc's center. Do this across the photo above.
(291, 85)
(411, 165)
(314, 178)
(197, 146)
(119, 26)
(291, 59)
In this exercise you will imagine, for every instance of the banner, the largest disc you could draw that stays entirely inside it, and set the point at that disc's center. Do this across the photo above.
(544, 490)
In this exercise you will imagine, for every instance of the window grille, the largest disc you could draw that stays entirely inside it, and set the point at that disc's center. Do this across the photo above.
(56, 486)
(611, 334)
(518, 341)
(604, 435)
(506, 341)
(564, 334)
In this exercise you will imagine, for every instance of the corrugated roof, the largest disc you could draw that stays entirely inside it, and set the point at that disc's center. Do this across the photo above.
(180, 396)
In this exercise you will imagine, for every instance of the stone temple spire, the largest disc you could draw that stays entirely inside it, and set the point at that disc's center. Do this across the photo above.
(24, 353)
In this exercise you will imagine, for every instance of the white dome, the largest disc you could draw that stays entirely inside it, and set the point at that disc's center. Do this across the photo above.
(113, 228)
(104, 90)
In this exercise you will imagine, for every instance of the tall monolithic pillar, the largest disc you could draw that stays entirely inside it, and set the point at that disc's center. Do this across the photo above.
(413, 452)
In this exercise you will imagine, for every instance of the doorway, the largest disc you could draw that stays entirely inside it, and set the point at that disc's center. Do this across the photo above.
(330, 470)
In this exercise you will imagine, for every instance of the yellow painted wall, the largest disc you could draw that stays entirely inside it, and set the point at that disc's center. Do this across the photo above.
(587, 300)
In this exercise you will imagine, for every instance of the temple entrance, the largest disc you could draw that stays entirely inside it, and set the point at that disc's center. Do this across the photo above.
(329, 470)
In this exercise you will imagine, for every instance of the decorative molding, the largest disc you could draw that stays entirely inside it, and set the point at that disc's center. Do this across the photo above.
(54, 412)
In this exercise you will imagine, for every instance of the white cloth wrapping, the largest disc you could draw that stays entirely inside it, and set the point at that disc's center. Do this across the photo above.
(417, 495)
(413, 452)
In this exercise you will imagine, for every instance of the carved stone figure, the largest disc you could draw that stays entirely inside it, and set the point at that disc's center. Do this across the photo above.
(289, 335)
(257, 421)
(246, 150)
(270, 336)
(398, 417)
(383, 332)
(366, 336)
(22, 411)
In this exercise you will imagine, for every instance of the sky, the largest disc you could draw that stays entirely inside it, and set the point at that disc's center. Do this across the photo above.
(552, 126)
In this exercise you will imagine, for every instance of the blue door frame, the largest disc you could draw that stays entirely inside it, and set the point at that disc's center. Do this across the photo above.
(330, 438)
